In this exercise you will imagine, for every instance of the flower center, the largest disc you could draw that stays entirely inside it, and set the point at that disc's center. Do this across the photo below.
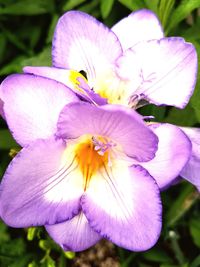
(109, 86)
(92, 155)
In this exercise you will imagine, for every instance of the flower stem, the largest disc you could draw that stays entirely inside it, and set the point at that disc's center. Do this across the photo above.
(176, 248)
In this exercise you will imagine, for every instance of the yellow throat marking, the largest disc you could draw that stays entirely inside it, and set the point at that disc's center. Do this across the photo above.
(73, 77)
(89, 160)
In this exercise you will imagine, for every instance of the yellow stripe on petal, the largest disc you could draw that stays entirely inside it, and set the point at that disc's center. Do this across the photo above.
(73, 77)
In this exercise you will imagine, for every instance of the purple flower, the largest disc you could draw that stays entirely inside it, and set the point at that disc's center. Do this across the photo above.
(129, 64)
(85, 171)
(79, 171)
(88, 171)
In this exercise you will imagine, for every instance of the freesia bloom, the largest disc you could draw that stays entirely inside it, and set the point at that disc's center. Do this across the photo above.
(85, 171)
(125, 64)
(91, 170)
(129, 64)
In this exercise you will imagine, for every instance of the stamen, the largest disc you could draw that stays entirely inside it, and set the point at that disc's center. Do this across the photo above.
(102, 147)
(92, 155)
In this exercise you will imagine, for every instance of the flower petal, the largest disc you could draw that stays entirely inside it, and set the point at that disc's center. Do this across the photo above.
(173, 152)
(74, 234)
(161, 71)
(57, 74)
(41, 186)
(138, 26)
(32, 105)
(123, 205)
(191, 170)
(83, 43)
(78, 84)
(122, 125)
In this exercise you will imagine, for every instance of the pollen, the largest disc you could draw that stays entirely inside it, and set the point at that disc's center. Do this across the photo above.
(90, 159)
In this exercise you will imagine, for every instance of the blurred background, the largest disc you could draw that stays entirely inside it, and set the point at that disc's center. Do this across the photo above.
(26, 30)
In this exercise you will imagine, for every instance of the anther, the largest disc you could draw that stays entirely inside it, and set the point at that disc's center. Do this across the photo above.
(100, 146)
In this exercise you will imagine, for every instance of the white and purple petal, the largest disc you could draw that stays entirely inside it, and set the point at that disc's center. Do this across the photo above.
(74, 234)
(121, 125)
(89, 95)
(160, 71)
(42, 185)
(32, 105)
(57, 74)
(68, 78)
(82, 43)
(191, 171)
(138, 26)
(123, 205)
(174, 149)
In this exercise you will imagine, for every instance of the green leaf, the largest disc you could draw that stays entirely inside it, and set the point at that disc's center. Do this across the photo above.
(195, 231)
(62, 261)
(174, 237)
(14, 39)
(152, 110)
(157, 255)
(14, 66)
(41, 59)
(153, 5)
(106, 6)
(195, 99)
(27, 7)
(16, 248)
(133, 4)
(187, 197)
(196, 262)
(21, 261)
(36, 33)
(71, 4)
(4, 236)
(3, 42)
(52, 29)
(7, 141)
(90, 8)
(165, 9)
(181, 12)
(191, 33)
(182, 117)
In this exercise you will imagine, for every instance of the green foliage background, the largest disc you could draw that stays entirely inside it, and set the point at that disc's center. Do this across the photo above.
(26, 29)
